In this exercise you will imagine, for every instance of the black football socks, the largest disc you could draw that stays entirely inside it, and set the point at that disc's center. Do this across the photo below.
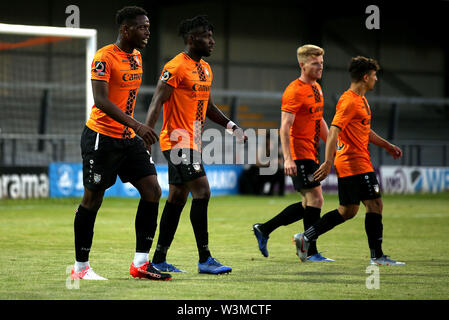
(145, 225)
(167, 229)
(198, 218)
(287, 216)
(84, 232)
(374, 231)
(311, 215)
(326, 223)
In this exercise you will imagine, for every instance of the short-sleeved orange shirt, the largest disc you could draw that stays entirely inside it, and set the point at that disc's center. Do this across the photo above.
(185, 110)
(353, 117)
(306, 102)
(123, 73)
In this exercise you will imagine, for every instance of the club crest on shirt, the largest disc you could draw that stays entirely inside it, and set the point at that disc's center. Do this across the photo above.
(137, 60)
(206, 71)
(340, 145)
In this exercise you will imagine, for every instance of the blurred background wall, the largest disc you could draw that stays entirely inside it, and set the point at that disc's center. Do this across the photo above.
(255, 51)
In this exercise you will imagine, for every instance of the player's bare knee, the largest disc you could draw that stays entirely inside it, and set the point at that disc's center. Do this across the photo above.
(177, 196)
(318, 201)
(375, 205)
(92, 200)
(314, 197)
(350, 216)
(154, 194)
(150, 192)
(348, 212)
(92, 204)
(203, 193)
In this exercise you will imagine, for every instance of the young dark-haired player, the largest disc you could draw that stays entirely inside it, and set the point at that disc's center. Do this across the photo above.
(183, 91)
(302, 125)
(349, 136)
(109, 146)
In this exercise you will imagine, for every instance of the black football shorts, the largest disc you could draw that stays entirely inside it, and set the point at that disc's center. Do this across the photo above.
(304, 178)
(353, 189)
(106, 157)
(183, 165)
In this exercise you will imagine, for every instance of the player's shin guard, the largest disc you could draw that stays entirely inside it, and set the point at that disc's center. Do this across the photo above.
(311, 215)
(167, 229)
(84, 232)
(145, 225)
(287, 216)
(326, 223)
(374, 231)
(198, 218)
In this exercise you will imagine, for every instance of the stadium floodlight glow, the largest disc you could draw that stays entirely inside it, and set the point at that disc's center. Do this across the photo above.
(90, 35)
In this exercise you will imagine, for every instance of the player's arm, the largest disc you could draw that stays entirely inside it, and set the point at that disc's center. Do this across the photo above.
(324, 130)
(392, 149)
(100, 92)
(161, 95)
(215, 114)
(331, 146)
(287, 120)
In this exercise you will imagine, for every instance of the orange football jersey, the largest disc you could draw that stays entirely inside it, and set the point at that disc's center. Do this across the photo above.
(306, 102)
(123, 73)
(353, 117)
(185, 110)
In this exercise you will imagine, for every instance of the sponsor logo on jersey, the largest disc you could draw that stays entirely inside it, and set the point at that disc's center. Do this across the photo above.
(132, 76)
(165, 75)
(100, 67)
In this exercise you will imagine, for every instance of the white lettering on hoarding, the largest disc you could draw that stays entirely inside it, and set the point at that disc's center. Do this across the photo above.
(22, 186)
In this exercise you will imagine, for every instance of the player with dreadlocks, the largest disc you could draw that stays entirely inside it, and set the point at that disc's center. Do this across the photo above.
(183, 92)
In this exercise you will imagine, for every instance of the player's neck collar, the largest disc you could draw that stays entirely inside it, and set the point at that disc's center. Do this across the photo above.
(305, 82)
(190, 57)
(357, 93)
(121, 50)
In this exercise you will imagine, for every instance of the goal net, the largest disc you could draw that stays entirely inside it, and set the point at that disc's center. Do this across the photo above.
(45, 93)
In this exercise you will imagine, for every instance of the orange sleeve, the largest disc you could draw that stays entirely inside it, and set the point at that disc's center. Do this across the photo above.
(291, 100)
(101, 66)
(172, 74)
(345, 112)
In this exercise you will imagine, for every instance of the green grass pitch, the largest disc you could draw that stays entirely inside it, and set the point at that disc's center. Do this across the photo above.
(36, 239)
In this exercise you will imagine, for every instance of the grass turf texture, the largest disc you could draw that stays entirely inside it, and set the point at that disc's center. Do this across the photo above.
(36, 239)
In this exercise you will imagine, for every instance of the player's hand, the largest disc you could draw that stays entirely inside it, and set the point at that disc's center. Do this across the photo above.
(323, 171)
(290, 168)
(147, 134)
(394, 151)
(238, 133)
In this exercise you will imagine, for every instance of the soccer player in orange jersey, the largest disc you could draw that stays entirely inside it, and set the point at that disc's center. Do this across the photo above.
(302, 125)
(348, 140)
(183, 91)
(109, 146)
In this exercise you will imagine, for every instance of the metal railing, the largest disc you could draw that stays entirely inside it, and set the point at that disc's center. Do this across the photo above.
(22, 150)
(19, 149)
(38, 149)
